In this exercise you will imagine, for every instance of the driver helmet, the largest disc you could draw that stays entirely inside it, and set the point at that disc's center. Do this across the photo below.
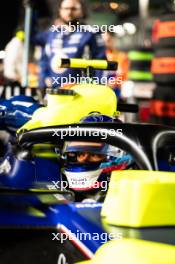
(87, 166)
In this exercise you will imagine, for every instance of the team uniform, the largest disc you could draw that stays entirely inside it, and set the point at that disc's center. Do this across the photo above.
(56, 45)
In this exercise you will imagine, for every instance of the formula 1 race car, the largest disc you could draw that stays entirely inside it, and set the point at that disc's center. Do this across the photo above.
(64, 106)
(81, 98)
(16, 111)
(39, 226)
(41, 223)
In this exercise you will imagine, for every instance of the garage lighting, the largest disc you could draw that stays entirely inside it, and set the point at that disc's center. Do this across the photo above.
(119, 30)
(130, 28)
(113, 5)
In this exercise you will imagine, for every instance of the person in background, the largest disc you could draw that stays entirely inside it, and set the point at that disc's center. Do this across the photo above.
(113, 54)
(57, 44)
(14, 58)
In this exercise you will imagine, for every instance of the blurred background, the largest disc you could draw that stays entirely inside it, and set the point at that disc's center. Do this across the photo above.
(101, 12)
(138, 45)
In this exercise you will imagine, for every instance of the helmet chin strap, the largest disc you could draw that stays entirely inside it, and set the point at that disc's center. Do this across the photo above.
(80, 182)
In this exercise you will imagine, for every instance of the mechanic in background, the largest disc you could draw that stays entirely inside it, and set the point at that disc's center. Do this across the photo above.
(57, 44)
(14, 58)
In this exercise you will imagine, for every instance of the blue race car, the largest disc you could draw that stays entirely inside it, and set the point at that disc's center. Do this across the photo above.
(42, 224)
(16, 111)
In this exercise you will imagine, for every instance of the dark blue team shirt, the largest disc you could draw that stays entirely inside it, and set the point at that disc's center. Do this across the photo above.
(57, 45)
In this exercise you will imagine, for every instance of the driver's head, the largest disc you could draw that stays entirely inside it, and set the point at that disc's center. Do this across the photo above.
(71, 10)
(88, 165)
